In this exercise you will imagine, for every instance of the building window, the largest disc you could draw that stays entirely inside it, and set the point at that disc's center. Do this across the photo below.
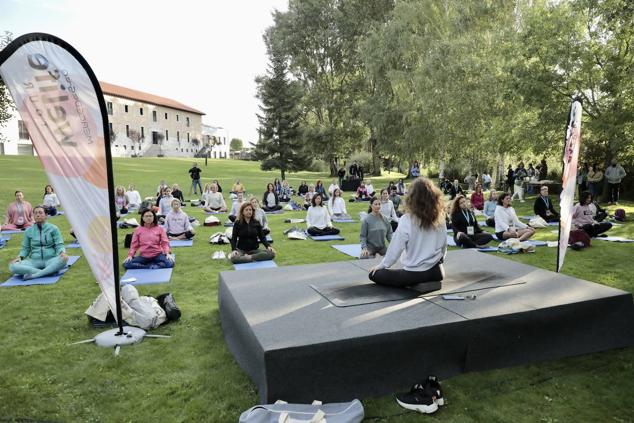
(154, 115)
(23, 133)
(109, 107)
(127, 130)
(178, 136)
(187, 119)
(165, 116)
(126, 108)
(141, 111)
(167, 135)
(188, 137)
(131, 147)
(110, 130)
(224, 140)
(142, 132)
(176, 118)
(181, 150)
(125, 147)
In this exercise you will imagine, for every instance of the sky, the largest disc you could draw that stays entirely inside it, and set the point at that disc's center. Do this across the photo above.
(205, 54)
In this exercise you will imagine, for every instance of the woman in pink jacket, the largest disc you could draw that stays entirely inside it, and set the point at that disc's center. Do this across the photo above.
(150, 240)
(19, 214)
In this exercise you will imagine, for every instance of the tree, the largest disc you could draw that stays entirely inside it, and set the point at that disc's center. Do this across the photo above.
(136, 138)
(280, 146)
(236, 144)
(7, 107)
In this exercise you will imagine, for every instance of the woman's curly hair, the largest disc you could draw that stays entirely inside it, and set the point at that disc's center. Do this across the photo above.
(426, 203)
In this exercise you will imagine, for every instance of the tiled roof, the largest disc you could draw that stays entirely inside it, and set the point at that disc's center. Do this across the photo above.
(117, 91)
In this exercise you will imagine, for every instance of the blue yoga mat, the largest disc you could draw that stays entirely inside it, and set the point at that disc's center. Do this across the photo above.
(487, 249)
(553, 223)
(353, 250)
(12, 231)
(343, 220)
(181, 243)
(73, 245)
(255, 265)
(147, 276)
(327, 238)
(5, 237)
(46, 280)
(275, 212)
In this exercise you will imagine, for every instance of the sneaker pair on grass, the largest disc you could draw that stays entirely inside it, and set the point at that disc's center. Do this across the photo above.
(424, 397)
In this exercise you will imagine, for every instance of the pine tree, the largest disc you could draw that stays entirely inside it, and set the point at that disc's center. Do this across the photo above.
(281, 145)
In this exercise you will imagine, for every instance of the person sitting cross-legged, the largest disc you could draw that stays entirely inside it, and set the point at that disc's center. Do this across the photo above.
(214, 201)
(50, 201)
(270, 199)
(507, 225)
(489, 208)
(318, 218)
(42, 251)
(235, 206)
(375, 229)
(150, 240)
(467, 232)
(543, 206)
(583, 217)
(260, 215)
(134, 198)
(19, 214)
(420, 241)
(362, 193)
(336, 204)
(285, 192)
(177, 223)
(246, 237)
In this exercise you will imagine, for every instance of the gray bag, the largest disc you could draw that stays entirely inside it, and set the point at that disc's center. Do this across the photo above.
(282, 412)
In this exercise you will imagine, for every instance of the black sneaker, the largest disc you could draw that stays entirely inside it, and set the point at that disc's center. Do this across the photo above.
(432, 384)
(417, 399)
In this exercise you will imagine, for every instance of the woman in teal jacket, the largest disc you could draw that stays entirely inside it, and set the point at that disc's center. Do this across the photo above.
(42, 252)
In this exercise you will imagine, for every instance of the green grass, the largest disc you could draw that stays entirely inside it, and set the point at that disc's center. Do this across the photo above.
(193, 377)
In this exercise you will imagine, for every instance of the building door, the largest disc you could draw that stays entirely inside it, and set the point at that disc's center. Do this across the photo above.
(154, 137)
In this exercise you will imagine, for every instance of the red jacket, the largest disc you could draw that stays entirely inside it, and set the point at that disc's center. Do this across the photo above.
(477, 200)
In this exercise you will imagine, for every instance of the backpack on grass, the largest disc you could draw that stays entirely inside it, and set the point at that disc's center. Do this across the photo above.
(282, 412)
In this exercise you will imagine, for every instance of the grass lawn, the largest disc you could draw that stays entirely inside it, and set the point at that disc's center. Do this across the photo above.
(193, 377)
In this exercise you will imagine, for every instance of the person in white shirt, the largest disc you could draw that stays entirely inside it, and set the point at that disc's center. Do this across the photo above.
(336, 204)
(270, 199)
(420, 241)
(177, 223)
(235, 207)
(214, 201)
(165, 203)
(134, 198)
(507, 225)
(333, 186)
(369, 188)
(260, 216)
(318, 218)
(308, 197)
(486, 180)
(388, 210)
(50, 202)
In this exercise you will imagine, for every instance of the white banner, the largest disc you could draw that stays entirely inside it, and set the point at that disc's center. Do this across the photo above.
(57, 100)
(569, 179)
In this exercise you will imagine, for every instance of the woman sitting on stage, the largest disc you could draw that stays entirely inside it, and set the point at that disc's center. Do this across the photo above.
(150, 240)
(583, 217)
(260, 215)
(270, 199)
(50, 202)
(177, 223)
(213, 200)
(42, 252)
(375, 229)
(19, 214)
(318, 218)
(246, 237)
(466, 231)
(420, 240)
(507, 225)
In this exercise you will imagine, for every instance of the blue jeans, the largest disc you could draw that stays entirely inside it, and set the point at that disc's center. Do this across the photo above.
(157, 262)
(196, 182)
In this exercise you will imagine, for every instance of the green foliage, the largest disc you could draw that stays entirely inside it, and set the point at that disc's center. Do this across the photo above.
(192, 377)
(363, 158)
(236, 144)
(280, 146)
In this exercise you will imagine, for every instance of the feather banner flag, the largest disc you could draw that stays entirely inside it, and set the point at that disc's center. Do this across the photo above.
(569, 178)
(60, 101)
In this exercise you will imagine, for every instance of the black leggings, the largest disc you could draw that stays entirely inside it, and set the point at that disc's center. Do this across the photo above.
(595, 229)
(326, 231)
(403, 278)
(474, 241)
(269, 209)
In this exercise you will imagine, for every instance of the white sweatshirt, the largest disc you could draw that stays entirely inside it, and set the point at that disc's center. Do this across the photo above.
(505, 217)
(337, 205)
(318, 216)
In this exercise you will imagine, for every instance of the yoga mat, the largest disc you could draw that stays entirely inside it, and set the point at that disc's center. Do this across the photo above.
(355, 293)
(275, 212)
(487, 249)
(450, 241)
(267, 264)
(12, 231)
(46, 280)
(147, 276)
(73, 245)
(327, 238)
(553, 223)
(228, 225)
(181, 243)
(614, 239)
(537, 243)
(526, 217)
(208, 212)
(268, 238)
(343, 220)
(353, 250)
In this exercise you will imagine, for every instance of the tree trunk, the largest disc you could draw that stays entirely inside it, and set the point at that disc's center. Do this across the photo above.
(376, 159)
(283, 173)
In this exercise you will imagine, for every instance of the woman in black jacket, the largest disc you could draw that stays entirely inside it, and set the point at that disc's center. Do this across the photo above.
(467, 232)
(270, 200)
(246, 238)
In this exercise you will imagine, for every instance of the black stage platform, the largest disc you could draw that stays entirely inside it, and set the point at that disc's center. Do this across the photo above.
(322, 331)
